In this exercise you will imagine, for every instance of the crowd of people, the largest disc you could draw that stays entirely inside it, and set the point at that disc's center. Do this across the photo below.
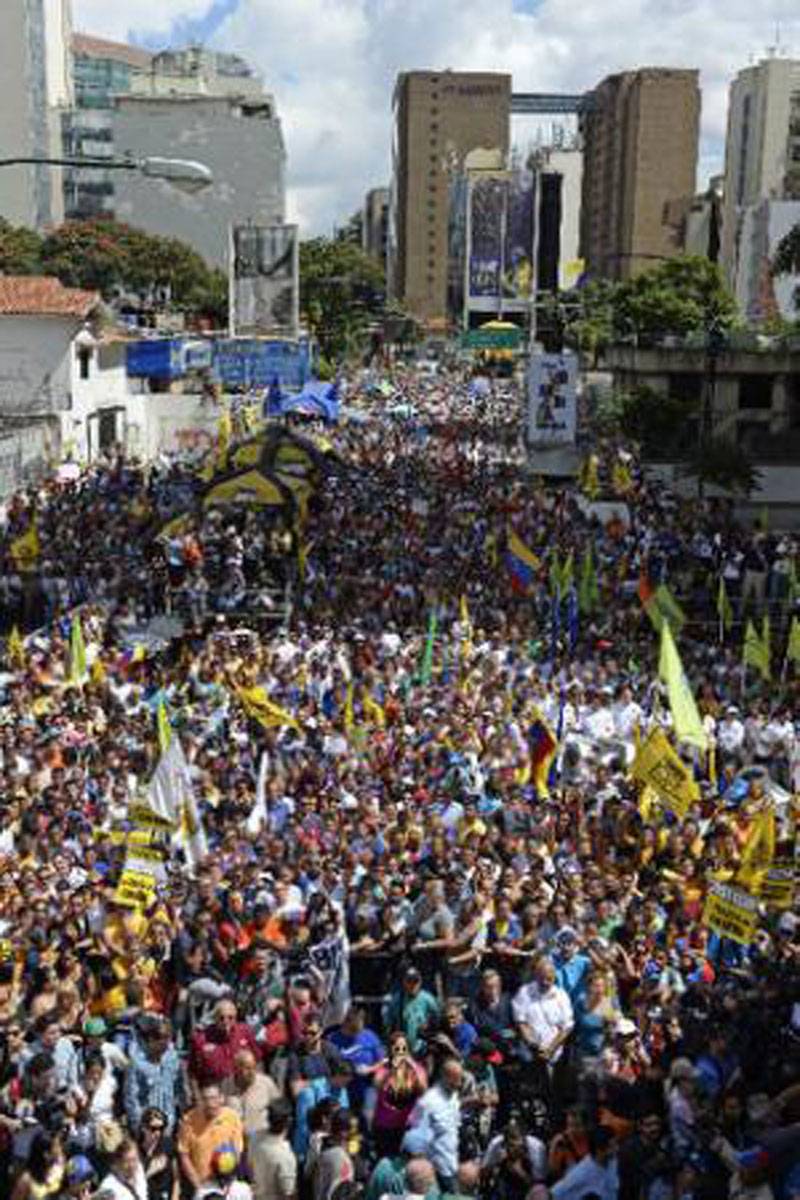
(409, 962)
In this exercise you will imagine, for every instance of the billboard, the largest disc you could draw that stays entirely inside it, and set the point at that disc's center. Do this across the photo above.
(500, 235)
(552, 399)
(246, 363)
(264, 280)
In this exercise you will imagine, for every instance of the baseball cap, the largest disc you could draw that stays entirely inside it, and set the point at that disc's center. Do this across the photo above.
(78, 1170)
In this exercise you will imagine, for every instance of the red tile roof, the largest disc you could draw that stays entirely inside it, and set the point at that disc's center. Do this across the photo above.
(86, 46)
(43, 296)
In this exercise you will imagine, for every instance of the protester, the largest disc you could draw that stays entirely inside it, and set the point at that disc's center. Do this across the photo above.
(321, 854)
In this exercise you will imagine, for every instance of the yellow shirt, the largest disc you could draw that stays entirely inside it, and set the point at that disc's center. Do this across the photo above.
(198, 1137)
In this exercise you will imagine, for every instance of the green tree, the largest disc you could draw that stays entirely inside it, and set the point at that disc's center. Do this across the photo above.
(679, 297)
(725, 465)
(341, 291)
(20, 250)
(787, 258)
(116, 259)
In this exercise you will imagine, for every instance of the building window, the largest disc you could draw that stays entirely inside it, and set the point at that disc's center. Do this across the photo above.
(84, 361)
(755, 391)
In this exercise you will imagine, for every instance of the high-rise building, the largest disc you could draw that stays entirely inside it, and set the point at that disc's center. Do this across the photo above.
(101, 70)
(375, 227)
(762, 174)
(439, 117)
(211, 108)
(37, 86)
(640, 134)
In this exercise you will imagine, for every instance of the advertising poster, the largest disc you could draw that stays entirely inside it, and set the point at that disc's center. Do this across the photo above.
(552, 399)
(264, 283)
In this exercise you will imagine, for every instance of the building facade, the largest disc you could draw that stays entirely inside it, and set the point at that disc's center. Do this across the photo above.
(640, 134)
(439, 117)
(375, 226)
(217, 114)
(37, 86)
(754, 398)
(100, 70)
(762, 174)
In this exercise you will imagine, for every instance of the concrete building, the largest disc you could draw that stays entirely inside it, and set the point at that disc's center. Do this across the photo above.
(375, 228)
(640, 134)
(37, 85)
(762, 176)
(756, 390)
(101, 69)
(438, 118)
(211, 108)
(560, 173)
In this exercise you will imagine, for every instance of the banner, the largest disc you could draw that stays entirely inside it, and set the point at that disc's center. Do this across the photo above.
(731, 913)
(552, 399)
(658, 765)
(777, 887)
(126, 837)
(171, 797)
(265, 280)
(136, 889)
(144, 817)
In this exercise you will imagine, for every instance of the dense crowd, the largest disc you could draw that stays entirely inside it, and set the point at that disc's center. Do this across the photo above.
(411, 962)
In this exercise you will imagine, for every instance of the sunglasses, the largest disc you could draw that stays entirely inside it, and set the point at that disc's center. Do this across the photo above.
(155, 1128)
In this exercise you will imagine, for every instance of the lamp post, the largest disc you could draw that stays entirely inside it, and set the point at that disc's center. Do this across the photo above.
(182, 173)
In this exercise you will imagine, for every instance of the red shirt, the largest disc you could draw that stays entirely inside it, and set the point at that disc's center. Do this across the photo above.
(213, 1050)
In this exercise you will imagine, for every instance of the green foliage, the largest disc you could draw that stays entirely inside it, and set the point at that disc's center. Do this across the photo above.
(723, 464)
(325, 369)
(676, 298)
(659, 423)
(341, 291)
(117, 259)
(20, 250)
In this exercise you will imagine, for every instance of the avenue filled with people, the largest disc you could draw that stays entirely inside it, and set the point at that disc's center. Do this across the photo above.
(332, 862)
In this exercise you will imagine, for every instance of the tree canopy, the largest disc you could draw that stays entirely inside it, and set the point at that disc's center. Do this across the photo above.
(676, 298)
(116, 260)
(341, 291)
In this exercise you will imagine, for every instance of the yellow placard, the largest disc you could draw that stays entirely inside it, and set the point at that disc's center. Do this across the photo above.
(145, 818)
(154, 854)
(731, 913)
(126, 837)
(658, 765)
(777, 887)
(136, 889)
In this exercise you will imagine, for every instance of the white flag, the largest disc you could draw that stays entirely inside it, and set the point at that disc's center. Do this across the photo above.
(170, 795)
(258, 813)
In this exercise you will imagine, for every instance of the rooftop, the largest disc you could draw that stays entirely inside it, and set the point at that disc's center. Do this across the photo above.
(86, 46)
(43, 296)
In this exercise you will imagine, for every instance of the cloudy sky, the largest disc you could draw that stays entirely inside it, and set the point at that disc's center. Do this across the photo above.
(332, 63)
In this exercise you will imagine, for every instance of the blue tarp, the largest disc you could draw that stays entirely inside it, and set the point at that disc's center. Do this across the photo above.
(317, 399)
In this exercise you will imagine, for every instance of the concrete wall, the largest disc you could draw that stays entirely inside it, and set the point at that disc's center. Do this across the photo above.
(102, 399)
(245, 153)
(35, 364)
(780, 493)
(25, 453)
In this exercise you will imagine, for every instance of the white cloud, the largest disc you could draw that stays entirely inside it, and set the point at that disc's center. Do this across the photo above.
(332, 64)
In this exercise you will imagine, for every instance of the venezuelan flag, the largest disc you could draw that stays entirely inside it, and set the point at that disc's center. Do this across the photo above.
(522, 562)
(543, 746)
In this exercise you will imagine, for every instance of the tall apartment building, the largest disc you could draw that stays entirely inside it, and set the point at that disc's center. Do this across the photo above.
(375, 224)
(212, 108)
(762, 175)
(37, 85)
(640, 132)
(100, 70)
(439, 118)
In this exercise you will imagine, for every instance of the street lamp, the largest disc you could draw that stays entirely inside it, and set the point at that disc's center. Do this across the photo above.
(182, 173)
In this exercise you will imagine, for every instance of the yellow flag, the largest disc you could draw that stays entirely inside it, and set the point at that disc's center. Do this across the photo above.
(374, 712)
(97, 674)
(756, 651)
(758, 851)
(15, 649)
(224, 434)
(303, 550)
(257, 704)
(793, 647)
(657, 765)
(163, 726)
(466, 628)
(349, 718)
(685, 716)
(77, 652)
(25, 548)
